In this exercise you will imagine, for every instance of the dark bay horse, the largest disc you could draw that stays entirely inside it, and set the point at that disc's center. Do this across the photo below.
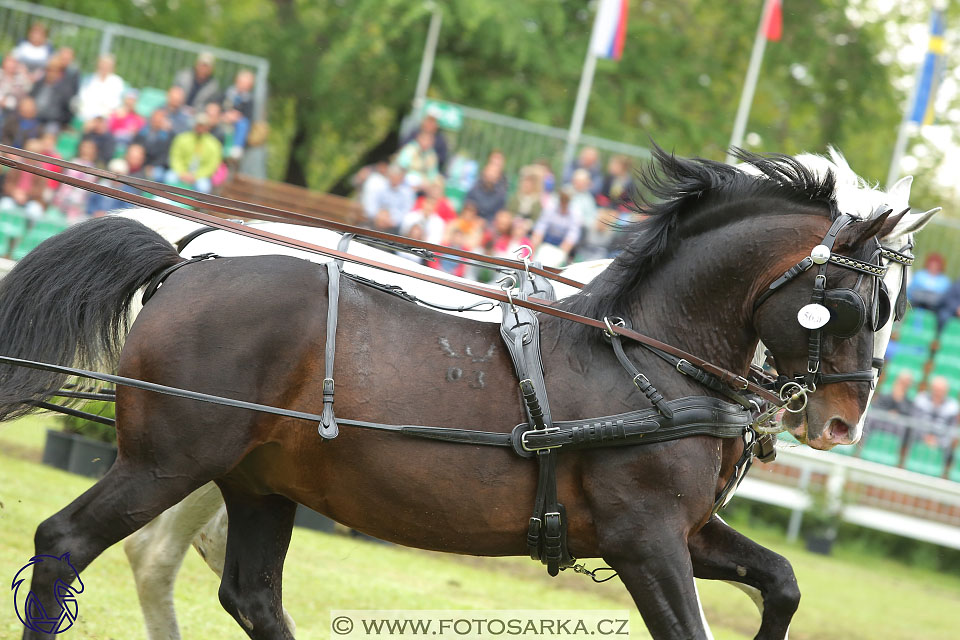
(253, 329)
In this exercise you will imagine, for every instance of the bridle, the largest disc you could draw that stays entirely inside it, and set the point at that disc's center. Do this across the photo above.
(841, 312)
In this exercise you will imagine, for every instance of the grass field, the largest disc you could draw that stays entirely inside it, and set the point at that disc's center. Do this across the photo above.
(848, 597)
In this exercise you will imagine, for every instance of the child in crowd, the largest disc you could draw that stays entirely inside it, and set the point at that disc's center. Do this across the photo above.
(73, 200)
(124, 123)
(469, 225)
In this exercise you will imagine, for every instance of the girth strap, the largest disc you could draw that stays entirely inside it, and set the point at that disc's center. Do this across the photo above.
(328, 428)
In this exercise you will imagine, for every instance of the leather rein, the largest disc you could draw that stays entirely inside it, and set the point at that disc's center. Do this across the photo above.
(733, 381)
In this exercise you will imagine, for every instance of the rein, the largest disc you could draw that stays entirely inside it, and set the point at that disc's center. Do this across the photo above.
(734, 381)
(228, 206)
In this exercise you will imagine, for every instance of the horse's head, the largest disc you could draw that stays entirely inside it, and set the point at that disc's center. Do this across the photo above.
(857, 311)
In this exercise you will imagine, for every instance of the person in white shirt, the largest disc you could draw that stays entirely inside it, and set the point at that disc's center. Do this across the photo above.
(35, 51)
(102, 92)
(939, 413)
(375, 182)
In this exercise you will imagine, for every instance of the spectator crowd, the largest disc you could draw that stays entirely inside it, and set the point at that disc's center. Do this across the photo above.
(922, 407)
(50, 106)
(424, 193)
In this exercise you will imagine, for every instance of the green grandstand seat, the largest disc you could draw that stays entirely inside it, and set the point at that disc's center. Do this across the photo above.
(913, 362)
(40, 231)
(950, 337)
(925, 459)
(882, 447)
(67, 144)
(919, 321)
(948, 366)
(53, 213)
(13, 223)
(919, 329)
(456, 196)
(150, 100)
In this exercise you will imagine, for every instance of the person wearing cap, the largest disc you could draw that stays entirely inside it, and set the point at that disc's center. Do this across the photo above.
(198, 83)
(195, 156)
(53, 95)
(102, 92)
(125, 122)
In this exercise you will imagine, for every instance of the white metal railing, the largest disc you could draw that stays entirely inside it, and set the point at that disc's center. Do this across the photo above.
(864, 493)
(144, 58)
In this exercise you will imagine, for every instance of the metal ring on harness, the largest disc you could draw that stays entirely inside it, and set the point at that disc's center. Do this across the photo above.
(787, 396)
(617, 320)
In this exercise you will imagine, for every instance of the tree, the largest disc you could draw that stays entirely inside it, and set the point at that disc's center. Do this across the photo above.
(343, 72)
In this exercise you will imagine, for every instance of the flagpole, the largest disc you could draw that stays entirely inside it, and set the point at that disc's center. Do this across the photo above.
(429, 54)
(750, 84)
(580, 106)
(903, 135)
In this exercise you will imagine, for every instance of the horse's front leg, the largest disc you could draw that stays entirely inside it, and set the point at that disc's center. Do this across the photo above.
(642, 534)
(721, 553)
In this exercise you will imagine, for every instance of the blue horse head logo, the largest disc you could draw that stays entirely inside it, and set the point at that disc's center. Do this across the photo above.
(31, 611)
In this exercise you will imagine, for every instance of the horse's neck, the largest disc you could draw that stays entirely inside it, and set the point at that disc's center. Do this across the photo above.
(701, 298)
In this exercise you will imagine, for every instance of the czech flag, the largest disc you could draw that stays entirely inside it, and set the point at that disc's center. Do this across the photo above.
(931, 72)
(609, 29)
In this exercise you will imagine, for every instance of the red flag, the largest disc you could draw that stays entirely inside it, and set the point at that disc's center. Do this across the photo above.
(775, 21)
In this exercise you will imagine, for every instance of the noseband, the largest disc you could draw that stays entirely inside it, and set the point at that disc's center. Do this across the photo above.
(841, 312)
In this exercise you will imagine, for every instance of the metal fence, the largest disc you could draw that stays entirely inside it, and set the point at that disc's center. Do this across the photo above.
(476, 133)
(144, 58)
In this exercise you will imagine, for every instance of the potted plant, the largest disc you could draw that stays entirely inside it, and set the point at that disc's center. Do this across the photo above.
(821, 520)
(94, 447)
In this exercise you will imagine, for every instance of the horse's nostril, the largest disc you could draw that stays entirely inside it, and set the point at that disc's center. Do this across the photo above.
(838, 431)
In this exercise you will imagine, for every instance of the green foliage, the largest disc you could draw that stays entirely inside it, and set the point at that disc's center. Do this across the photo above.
(343, 72)
(92, 430)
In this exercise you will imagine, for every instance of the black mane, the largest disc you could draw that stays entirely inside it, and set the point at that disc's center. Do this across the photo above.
(686, 196)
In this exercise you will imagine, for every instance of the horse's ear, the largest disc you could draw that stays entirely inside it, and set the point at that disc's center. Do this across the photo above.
(866, 229)
(891, 223)
(911, 223)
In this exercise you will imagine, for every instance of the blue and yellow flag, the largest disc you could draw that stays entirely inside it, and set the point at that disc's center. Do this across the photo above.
(931, 72)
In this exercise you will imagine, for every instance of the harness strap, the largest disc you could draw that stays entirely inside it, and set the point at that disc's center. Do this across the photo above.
(642, 382)
(163, 275)
(328, 428)
(730, 378)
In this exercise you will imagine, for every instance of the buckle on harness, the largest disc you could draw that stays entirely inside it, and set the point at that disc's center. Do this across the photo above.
(536, 449)
(328, 387)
